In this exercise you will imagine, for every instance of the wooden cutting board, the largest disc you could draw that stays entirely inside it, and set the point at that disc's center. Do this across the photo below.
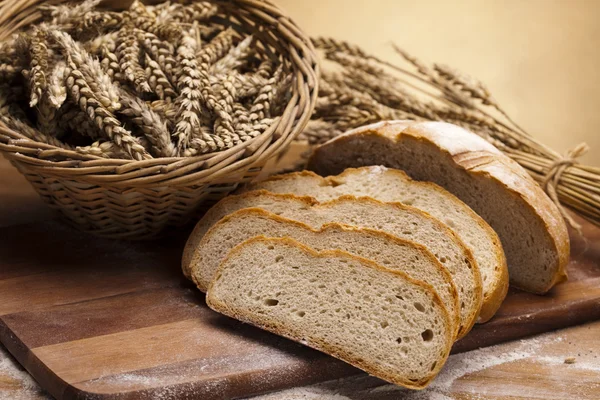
(99, 319)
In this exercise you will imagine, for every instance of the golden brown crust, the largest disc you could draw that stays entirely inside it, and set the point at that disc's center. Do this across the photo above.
(466, 325)
(203, 285)
(491, 300)
(495, 165)
(210, 218)
(480, 158)
(281, 330)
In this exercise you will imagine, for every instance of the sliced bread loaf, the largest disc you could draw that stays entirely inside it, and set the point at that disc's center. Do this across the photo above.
(390, 185)
(394, 218)
(384, 249)
(532, 231)
(378, 320)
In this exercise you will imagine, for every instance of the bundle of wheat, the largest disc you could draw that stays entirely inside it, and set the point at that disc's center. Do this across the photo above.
(358, 88)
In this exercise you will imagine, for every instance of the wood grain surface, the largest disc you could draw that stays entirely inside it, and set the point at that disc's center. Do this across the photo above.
(538, 57)
(103, 319)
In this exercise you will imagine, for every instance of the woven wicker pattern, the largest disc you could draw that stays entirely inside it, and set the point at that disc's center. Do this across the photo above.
(138, 199)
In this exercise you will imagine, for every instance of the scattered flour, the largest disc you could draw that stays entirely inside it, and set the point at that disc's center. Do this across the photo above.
(15, 382)
(366, 387)
(555, 360)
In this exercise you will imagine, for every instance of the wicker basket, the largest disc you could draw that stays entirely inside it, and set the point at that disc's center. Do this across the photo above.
(139, 199)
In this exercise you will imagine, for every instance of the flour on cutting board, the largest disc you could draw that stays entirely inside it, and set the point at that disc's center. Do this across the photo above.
(366, 387)
(15, 382)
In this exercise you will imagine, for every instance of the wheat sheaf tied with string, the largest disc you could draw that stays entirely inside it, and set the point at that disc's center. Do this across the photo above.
(357, 88)
(168, 80)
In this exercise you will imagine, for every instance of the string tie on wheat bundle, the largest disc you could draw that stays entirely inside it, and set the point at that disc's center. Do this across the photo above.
(554, 175)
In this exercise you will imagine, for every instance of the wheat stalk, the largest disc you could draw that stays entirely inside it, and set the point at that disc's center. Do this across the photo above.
(98, 80)
(72, 119)
(65, 16)
(162, 52)
(165, 80)
(102, 149)
(98, 44)
(153, 126)
(143, 18)
(110, 64)
(57, 90)
(158, 81)
(94, 22)
(15, 118)
(128, 55)
(190, 100)
(234, 59)
(84, 96)
(38, 66)
(196, 12)
(363, 88)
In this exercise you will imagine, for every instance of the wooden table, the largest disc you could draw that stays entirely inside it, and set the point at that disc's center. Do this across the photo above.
(539, 59)
(526, 369)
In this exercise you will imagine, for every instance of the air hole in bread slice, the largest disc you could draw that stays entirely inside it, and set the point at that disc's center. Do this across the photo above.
(271, 302)
(427, 335)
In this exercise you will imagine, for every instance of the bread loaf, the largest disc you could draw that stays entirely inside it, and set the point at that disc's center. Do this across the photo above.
(394, 218)
(386, 250)
(532, 231)
(390, 185)
(351, 308)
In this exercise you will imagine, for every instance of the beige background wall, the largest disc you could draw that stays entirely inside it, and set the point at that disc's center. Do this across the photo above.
(540, 58)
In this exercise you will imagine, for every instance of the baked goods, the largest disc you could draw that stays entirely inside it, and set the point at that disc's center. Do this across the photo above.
(379, 320)
(391, 185)
(532, 231)
(386, 250)
(399, 220)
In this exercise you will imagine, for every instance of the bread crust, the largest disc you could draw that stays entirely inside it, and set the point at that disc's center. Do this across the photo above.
(478, 157)
(281, 330)
(203, 285)
(491, 300)
(201, 228)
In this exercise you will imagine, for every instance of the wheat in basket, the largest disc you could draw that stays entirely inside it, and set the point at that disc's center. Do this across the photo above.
(130, 121)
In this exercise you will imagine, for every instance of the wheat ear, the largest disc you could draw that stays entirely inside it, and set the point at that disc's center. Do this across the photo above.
(83, 95)
(98, 80)
(128, 54)
(158, 81)
(154, 128)
(38, 66)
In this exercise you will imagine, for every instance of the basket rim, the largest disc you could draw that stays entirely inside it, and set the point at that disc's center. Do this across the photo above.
(36, 157)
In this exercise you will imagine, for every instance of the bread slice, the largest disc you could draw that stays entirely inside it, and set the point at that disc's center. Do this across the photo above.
(378, 320)
(533, 233)
(394, 218)
(391, 185)
(389, 251)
